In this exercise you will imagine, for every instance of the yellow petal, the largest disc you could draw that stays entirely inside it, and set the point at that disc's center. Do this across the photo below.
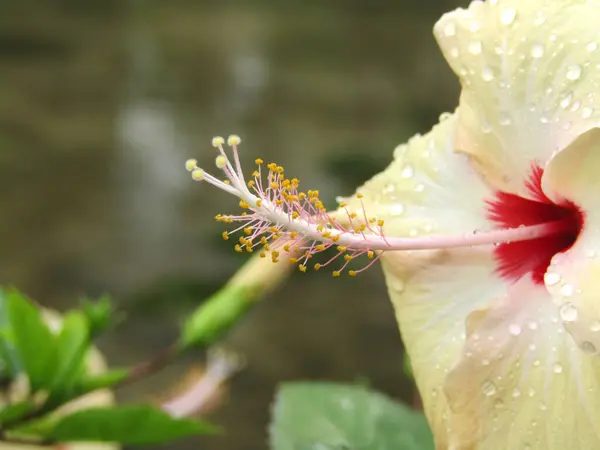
(529, 72)
(522, 383)
(573, 278)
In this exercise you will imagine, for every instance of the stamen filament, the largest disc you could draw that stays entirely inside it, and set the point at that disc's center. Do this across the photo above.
(281, 214)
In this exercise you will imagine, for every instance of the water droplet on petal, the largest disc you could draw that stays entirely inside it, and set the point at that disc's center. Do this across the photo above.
(508, 15)
(450, 29)
(569, 312)
(595, 325)
(488, 388)
(408, 171)
(573, 72)
(498, 403)
(537, 51)
(474, 47)
(588, 347)
(514, 329)
(567, 290)
(531, 392)
(397, 209)
(516, 393)
(532, 325)
(543, 406)
(487, 74)
(504, 119)
(557, 368)
(587, 112)
(566, 100)
(551, 278)
(591, 47)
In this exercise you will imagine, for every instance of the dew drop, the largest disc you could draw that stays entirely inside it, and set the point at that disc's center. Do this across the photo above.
(569, 312)
(397, 209)
(514, 329)
(588, 347)
(536, 363)
(595, 325)
(543, 406)
(551, 278)
(389, 188)
(488, 388)
(587, 112)
(567, 290)
(450, 29)
(573, 72)
(420, 187)
(498, 403)
(566, 100)
(487, 74)
(474, 47)
(508, 15)
(591, 47)
(531, 392)
(408, 171)
(486, 127)
(504, 119)
(537, 50)
(516, 393)
(557, 368)
(532, 325)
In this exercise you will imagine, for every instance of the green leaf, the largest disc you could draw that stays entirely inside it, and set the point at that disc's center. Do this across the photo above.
(311, 416)
(99, 313)
(128, 425)
(73, 343)
(11, 363)
(33, 340)
(89, 383)
(408, 371)
(16, 411)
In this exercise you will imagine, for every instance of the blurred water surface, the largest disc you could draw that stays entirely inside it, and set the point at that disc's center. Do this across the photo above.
(104, 100)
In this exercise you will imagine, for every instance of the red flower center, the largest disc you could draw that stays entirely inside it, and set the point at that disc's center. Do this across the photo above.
(518, 259)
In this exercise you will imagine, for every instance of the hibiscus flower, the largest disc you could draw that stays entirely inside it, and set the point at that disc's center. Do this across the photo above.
(487, 229)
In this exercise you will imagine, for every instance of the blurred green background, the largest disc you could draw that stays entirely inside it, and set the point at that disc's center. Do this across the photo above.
(102, 101)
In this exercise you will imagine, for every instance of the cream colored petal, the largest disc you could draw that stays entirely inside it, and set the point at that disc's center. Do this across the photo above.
(427, 189)
(573, 278)
(522, 383)
(433, 293)
(529, 72)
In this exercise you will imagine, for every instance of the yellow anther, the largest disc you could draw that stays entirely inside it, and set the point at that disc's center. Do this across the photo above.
(326, 234)
(353, 215)
(258, 161)
(274, 185)
(341, 248)
(293, 234)
(359, 195)
(286, 247)
(279, 202)
(238, 248)
(258, 203)
(317, 266)
(335, 238)
(248, 231)
(301, 195)
(226, 181)
(302, 267)
(233, 140)
(343, 204)
(198, 174)
(293, 260)
(190, 165)
(242, 240)
(320, 247)
(275, 260)
(352, 273)
(255, 174)
(225, 235)
(380, 222)
(251, 183)
(217, 141)
(372, 220)
(263, 254)
(336, 273)
(272, 166)
(295, 215)
(244, 205)
(370, 254)
(221, 161)
(275, 253)
(348, 257)
(320, 227)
